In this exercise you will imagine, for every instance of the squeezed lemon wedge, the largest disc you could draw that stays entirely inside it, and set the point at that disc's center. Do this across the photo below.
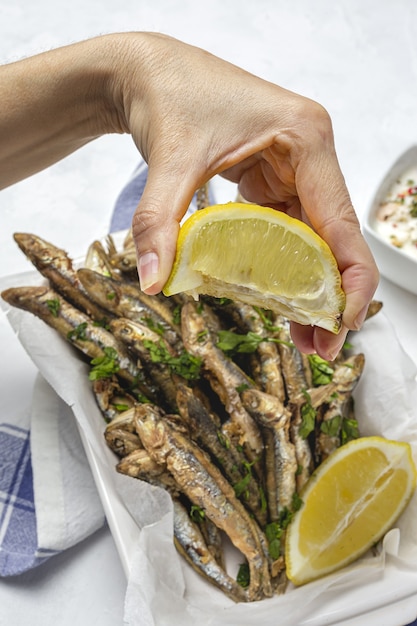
(260, 256)
(349, 503)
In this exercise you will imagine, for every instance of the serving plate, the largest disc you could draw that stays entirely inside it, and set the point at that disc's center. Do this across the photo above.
(394, 263)
(369, 592)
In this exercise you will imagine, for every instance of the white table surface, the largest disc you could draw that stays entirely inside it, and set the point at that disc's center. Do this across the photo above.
(359, 59)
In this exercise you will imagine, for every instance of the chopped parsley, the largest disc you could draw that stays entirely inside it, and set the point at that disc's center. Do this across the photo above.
(350, 430)
(241, 487)
(79, 332)
(185, 364)
(273, 533)
(197, 514)
(331, 427)
(338, 426)
(308, 417)
(104, 366)
(321, 371)
(54, 306)
(176, 315)
(156, 327)
(243, 575)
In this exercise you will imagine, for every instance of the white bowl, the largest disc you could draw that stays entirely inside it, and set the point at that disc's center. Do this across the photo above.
(394, 263)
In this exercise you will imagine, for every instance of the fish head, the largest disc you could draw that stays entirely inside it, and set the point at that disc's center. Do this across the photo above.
(151, 430)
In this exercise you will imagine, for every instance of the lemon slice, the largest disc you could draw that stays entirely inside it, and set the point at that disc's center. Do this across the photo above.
(349, 503)
(262, 257)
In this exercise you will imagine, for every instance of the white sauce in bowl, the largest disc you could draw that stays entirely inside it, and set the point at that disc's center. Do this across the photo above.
(397, 215)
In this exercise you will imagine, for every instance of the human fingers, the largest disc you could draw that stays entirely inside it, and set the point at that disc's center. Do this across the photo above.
(326, 203)
(156, 222)
(314, 340)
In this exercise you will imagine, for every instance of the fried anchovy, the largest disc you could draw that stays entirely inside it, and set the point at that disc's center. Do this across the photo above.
(338, 406)
(111, 398)
(374, 307)
(139, 464)
(121, 435)
(191, 544)
(125, 442)
(144, 342)
(268, 369)
(97, 259)
(295, 367)
(297, 378)
(279, 453)
(125, 299)
(343, 372)
(205, 430)
(122, 442)
(226, 378)
(206, 487)
(77, 328)
(124, 260)
(55, 264)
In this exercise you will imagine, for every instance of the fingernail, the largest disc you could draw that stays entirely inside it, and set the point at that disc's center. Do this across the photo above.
(148, 270)
(332, 354)
(360, 318)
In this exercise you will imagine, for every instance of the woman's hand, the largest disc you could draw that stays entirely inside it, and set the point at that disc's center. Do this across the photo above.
(192, 116)
(199, 116)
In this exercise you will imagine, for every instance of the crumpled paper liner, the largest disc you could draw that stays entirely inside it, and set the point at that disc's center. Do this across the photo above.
(162, 589)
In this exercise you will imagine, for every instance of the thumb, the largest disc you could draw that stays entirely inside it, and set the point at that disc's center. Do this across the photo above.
(155, 227)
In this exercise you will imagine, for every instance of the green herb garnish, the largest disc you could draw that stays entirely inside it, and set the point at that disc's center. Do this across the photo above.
(79, 332)
(120, 407)
(273, 532)
(156, 327)
(331, 427)
(185, 364)
(197, 514)
(54, 306)
(308, 417)
(243, 575)
(350, 430)
(321, 371)
(104, 366)
(241, 487)
(176, 315)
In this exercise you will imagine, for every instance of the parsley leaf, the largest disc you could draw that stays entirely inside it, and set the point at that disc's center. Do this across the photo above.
(321, 371)
(185, 364)
(79, 332)
(235, 342)
(243, 575)
(197, 514)
(273, 532)
(241, 487)
(104, 366)
(308, 417)
(350, 430)
(331, 427)
(53, 305)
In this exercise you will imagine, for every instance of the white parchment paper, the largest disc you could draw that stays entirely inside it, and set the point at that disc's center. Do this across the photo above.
(162, 589)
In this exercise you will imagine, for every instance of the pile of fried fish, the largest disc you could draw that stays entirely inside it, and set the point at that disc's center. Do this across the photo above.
(209, 400)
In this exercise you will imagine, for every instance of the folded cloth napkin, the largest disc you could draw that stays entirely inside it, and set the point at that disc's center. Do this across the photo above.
(48, 499)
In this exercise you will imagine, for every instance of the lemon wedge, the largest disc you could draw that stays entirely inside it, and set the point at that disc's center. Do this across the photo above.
(260, 256)
(349, 503)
